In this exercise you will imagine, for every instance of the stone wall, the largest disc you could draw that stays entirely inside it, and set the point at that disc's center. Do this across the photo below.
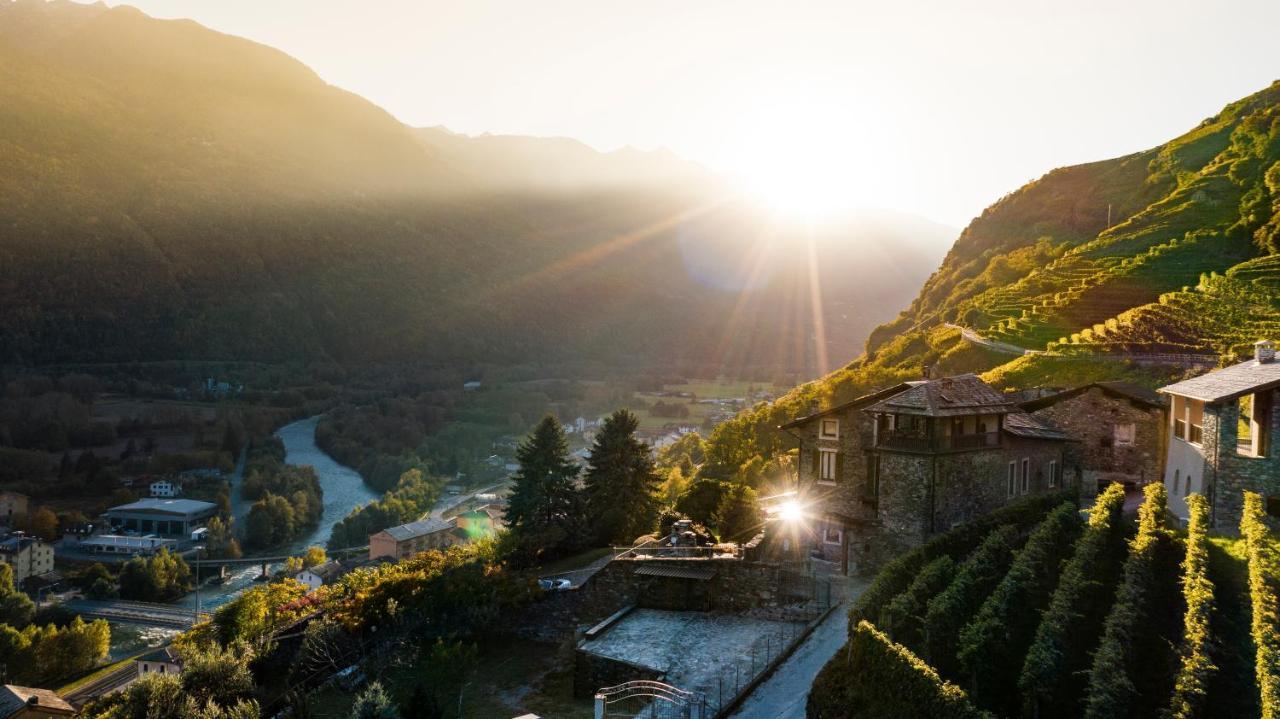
(1091, 417)
(592, 671)
(1234, 473)
(848, 497)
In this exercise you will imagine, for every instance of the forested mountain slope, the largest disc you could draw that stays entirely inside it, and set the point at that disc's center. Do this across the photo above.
(1172, 250)
(170, 192)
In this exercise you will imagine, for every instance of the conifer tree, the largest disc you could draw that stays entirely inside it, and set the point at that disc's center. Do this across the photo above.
(544, 508)
(621, 482)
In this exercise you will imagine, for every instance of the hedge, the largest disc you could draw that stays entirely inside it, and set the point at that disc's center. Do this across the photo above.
(903, 618)
(1052, 679)
(1191, 685)
(874, 678)
(994, 643)
(1127, 663)
(896, 575)
(1264, 576)
(948, 612)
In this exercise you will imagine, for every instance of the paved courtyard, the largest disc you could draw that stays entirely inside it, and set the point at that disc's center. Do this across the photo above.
(696, 650)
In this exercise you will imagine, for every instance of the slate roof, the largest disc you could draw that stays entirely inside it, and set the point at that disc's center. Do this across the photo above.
(1229, 383)
(420, 528)
(862, 401)
(14, 698)
(1021, 424)
(946, 397)
(326, 570)
(163, 654)
(1124, 390)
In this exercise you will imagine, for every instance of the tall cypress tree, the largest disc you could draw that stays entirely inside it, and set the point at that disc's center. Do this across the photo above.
(621, 482)
(544, 508)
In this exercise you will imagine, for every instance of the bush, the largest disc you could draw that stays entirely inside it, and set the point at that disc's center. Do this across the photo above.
(903, 618)
(877, 679)
(1264, 576)
(1132, 659)
(1191, 685)
(897, 574)
(994, 644)
(1051, 681)
(948, 612)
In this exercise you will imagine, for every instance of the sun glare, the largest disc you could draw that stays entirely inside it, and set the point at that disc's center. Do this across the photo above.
(791, 511)
(796, 156)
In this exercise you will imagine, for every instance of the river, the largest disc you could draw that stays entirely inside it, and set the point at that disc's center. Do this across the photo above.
(343, 488)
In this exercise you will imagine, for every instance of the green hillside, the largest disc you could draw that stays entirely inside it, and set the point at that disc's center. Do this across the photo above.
(168, 192)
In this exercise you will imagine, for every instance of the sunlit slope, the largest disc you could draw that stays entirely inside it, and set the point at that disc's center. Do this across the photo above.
(1042, 264)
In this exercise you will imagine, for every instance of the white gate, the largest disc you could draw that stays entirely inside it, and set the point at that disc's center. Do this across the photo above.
(646, 699)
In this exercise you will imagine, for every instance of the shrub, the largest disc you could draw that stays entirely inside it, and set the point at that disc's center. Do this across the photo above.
(1264, 576)
(994, 644)
(877, 679)
(1191, 685)
(948, 612)
(897, 574)
(1130, 659)
(1050, 682)
(903, 618)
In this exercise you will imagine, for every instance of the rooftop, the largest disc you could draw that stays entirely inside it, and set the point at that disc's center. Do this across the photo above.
(420, 528)
(174, 506)
(1124, 390)
(947, 397)
(862, 401)
(1021, 424)
(163, 654)
(1229, 383)
(13, 698)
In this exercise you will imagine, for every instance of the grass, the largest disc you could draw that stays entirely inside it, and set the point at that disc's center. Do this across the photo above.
(98, 673)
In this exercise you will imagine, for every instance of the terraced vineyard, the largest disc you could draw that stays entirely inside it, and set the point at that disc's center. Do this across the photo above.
(1036, 613)
(1224, 314)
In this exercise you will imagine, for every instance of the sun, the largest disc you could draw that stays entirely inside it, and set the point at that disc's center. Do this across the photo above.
(796, 155)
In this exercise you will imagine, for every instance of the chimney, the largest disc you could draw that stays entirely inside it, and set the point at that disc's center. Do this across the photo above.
(33, 700)
(1264, 351)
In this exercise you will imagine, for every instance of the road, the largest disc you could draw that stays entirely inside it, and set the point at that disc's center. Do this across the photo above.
(784, 694)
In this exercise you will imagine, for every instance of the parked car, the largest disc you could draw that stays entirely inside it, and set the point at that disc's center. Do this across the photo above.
(554, 585)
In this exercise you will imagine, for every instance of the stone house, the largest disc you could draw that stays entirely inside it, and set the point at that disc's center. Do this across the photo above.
(883, 473)
(408, 539)
(1220, 438)
(1120, 427)
(13, 507)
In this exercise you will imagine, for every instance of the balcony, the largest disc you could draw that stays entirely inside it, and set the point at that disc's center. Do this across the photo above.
(916, 442)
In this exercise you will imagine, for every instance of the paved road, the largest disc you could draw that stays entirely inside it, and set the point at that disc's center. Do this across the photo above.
(784, 694)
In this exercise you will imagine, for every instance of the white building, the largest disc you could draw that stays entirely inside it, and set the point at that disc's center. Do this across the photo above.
(165, 488)
(162, 661)
(124, 544)
(320, 575)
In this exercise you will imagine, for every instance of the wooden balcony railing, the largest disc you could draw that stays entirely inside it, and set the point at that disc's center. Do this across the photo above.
(915, 442)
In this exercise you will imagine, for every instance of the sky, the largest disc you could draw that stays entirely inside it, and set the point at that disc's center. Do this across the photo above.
(931, 108)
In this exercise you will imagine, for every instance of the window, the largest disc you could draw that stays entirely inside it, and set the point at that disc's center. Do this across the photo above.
(1273, 505)
(1124, 434)
(830, 428)
(1053, 473)
(873, 477)
(1186, 489)
(827, 465)
(1195, 421)
(1179, 414)
(1013, 469)
(1026, 475)
(832, 535)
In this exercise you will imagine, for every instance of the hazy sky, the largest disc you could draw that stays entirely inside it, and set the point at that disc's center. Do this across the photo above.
(936, 108)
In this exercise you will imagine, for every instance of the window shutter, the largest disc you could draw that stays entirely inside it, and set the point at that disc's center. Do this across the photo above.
(817, 463)
(839, 466)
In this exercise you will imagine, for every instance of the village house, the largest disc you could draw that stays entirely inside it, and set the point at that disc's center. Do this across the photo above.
(1121, 428)
(164, 660)
(409, 539)
(321, 574)
(30, 703)
(165, 488)
(13, 507)
(1220, 438)
(884, 472)
(28, 556)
